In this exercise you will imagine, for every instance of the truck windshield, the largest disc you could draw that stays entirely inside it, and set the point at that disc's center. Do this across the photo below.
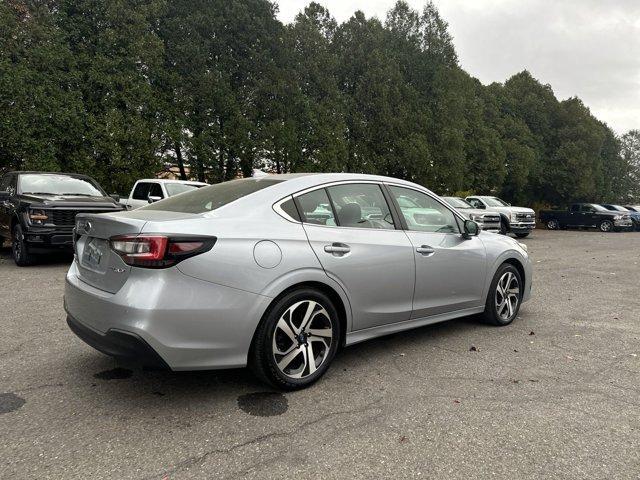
(457, 202)
(495, 202)
(176, 188)
(56, 184)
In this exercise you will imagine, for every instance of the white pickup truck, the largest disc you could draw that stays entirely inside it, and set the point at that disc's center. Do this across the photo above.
(151, 190)
(517, 220)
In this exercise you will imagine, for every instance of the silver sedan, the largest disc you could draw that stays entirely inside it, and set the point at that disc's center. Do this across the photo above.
(279, 272)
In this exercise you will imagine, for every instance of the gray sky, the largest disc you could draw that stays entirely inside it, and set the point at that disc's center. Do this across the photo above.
(588, 48)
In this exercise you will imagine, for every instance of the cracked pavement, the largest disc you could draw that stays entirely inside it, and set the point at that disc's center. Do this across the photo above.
(562, 402)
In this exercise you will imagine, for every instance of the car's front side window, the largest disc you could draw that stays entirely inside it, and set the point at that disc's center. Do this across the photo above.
(431, 216)
(361, 205)
(141, 192)
(476, 203)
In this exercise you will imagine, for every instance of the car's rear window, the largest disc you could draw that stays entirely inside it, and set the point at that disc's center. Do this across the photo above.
(212, 197)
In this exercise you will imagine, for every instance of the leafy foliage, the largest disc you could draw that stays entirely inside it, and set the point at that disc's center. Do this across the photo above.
(115, 88)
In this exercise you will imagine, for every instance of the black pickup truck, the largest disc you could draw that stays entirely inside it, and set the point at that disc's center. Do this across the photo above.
(38, 210)
(586, 215)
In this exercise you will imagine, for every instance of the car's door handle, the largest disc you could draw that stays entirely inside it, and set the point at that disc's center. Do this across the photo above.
(425, 250)
(337, 248)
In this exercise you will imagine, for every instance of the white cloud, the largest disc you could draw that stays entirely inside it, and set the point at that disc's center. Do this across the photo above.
(588, 48)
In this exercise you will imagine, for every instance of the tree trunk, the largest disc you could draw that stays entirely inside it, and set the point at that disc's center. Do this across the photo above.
(178, 148)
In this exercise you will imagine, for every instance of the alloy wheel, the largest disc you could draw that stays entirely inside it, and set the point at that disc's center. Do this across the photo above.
(606, 226)
(302, 339)
(553, 224)
(507, 296)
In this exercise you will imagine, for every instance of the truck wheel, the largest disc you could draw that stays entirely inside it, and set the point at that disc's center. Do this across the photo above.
(553, 224)
(503, 227)
(606, 226)
(21, 255)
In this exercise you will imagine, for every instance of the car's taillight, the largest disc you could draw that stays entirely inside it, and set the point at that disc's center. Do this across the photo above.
(158, 251)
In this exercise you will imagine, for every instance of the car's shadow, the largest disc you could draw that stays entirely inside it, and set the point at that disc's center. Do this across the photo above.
(159, 388)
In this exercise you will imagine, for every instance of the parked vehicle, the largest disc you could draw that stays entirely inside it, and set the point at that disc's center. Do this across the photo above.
(151, 190)
(247, 272)
(635, 215)
(589, 215)
(517, 220)
(486, 220)
(37, 210)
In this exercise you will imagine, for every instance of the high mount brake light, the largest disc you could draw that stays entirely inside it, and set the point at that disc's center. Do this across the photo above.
(158, 251)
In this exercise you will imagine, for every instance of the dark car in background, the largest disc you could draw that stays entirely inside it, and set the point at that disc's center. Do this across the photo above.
(38, 210)
(635, 215)
(586, 215)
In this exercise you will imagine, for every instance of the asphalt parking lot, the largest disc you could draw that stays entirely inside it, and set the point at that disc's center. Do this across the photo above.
(554, 395)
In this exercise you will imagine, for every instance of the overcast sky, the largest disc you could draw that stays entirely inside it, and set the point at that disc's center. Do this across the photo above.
(588, 48)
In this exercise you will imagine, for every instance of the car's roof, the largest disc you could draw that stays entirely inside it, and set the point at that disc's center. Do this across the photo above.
(168, 180)
(301, 181)
(23, 172)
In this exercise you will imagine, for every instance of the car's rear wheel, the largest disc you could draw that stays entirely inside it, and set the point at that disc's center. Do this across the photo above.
(505, 296)
(19, 250)
(553, 224)
(606, 226)
(296, 340)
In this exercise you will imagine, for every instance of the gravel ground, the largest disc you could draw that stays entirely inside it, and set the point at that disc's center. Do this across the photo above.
(554, 395)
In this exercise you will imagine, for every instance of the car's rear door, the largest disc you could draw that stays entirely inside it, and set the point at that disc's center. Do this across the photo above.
(575, 217)
(450, 269)
(352, 232)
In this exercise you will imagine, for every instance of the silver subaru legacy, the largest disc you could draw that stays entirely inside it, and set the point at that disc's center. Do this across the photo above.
(279, 272)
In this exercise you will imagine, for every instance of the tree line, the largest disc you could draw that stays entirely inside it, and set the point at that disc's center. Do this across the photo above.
(117, 88)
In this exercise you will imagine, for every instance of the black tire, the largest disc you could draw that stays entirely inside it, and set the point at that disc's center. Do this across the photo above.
(503, 227)
(262, 357)
(606, 226)
(19, 249)
(522, 235)
(492, 315)
(553, 224)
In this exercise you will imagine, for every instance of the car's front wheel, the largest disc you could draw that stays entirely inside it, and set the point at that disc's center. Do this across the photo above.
(19, 250)
(505, 296)
(553, 224)
(606, 226)
(296, 340)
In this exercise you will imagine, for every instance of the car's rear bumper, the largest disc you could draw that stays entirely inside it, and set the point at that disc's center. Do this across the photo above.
(189, 323)
(119, 344)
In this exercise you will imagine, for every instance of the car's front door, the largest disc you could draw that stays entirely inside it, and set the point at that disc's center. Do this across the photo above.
(589, 216)
(352, 232)
(450, 269)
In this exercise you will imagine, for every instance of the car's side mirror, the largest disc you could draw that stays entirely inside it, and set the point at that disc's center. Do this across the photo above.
(115, 196)
(153, 199)
(471, 229)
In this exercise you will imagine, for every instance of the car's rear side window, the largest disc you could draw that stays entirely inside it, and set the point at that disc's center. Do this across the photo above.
(212, 197)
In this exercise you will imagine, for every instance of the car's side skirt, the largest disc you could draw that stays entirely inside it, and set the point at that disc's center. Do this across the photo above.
(368, 333)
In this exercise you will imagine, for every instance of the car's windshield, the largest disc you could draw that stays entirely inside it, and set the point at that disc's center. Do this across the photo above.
(495, 202)
(457, 202)
(620, 208)
(214, 196)
(55, 184)
(177, 188)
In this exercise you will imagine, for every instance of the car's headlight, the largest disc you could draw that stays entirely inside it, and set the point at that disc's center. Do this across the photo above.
(523, 246)
(514, 217)
(476, 217)
(38, 216)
